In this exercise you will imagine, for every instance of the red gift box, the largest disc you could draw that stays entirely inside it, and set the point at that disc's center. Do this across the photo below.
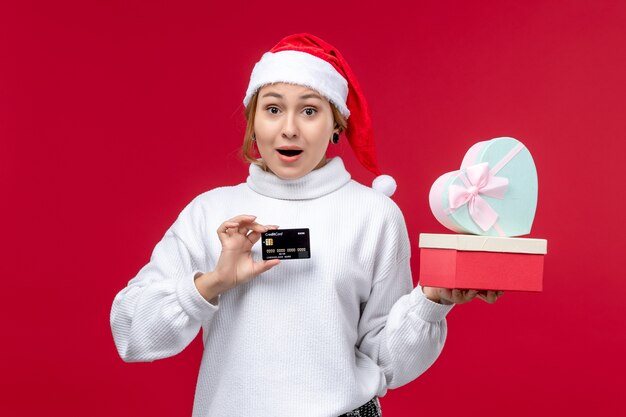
(481, 262)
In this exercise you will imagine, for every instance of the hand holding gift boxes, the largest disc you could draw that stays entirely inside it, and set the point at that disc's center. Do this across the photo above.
(491, 198)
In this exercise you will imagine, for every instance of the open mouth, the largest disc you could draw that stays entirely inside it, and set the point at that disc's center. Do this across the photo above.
(289, 152)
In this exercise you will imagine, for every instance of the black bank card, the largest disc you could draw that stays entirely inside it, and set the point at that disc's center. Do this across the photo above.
(286, 244)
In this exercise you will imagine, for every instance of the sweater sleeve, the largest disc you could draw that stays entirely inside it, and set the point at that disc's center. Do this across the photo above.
(400, 329)
(160, 311)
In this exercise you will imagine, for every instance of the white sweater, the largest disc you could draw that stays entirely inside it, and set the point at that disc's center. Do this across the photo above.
(311, 337)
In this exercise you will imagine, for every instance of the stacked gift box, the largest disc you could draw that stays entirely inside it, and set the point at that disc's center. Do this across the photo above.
(488, 202)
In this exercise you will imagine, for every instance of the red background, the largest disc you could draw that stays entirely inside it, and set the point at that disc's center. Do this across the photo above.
(114, 115)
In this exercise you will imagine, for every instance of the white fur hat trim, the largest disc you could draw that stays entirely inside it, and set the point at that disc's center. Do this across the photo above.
(295, 67)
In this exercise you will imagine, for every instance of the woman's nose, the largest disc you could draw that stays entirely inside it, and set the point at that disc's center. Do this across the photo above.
(290, 127)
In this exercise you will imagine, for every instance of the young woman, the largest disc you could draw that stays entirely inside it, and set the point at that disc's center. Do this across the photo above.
(322, 336)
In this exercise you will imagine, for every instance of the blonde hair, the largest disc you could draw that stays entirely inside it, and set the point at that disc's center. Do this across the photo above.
(247, 150)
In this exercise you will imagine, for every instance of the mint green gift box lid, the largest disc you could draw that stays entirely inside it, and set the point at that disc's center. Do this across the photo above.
(510, 161)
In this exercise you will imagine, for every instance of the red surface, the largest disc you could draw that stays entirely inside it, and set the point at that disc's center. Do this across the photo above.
(450, 268)
(114, 115)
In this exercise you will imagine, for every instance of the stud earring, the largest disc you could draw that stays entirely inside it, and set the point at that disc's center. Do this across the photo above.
(335, 138)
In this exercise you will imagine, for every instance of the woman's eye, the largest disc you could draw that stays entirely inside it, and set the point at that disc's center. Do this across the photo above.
(273, 110)
(310, 111)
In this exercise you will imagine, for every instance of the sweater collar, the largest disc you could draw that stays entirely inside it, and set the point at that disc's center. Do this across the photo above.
(316, 183)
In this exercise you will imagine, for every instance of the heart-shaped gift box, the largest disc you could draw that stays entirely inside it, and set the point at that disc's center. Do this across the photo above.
(493, 194)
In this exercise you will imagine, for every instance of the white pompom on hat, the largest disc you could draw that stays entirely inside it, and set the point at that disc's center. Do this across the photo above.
(307, 60)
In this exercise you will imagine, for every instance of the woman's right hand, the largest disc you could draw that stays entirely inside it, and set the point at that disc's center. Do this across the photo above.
(235, 265)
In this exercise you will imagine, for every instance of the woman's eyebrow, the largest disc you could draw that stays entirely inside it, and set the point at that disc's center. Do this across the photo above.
(272, 95)
(310, 96)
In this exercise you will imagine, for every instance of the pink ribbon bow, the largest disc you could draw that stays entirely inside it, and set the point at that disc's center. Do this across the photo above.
(478, 181)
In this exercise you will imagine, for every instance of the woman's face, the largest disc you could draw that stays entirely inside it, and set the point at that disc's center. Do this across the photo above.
(293, 126)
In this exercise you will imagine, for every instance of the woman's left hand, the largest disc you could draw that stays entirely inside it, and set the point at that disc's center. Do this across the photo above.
(489, 296)
(455, 296)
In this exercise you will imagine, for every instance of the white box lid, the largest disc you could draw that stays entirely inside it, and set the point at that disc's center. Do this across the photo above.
(483, 243)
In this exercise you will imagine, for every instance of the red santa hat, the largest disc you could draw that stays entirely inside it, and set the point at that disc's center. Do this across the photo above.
(307, 60)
